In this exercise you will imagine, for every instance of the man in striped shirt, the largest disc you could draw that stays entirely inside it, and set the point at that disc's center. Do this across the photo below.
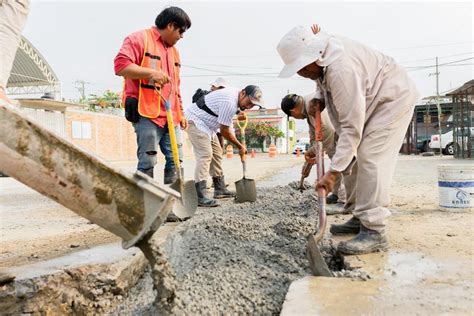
(210, 114)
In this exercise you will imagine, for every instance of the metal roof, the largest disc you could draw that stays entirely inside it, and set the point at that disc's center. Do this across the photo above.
(30, 68)
(47, 104)
(467, 88)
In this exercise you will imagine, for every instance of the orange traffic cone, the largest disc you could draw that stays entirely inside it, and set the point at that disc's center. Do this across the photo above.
(252, 153)
(229, 151)
(272, 151)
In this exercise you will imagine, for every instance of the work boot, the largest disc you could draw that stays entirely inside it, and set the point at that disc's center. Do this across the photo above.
(332, 198)
(170, 176)
(148, 172)
(352, 226)
(220, 190)
(203, 200)
(366, 241)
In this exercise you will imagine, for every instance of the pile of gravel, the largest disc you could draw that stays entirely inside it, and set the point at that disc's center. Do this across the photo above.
(240, 258)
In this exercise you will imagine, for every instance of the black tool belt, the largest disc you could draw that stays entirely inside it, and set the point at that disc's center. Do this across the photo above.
(131, 110)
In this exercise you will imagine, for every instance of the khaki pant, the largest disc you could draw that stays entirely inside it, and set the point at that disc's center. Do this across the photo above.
(208, 153)
(376, 158)
(13, 15)
(350, 182)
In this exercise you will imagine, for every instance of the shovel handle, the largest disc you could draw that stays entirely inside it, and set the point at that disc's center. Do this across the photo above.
(320, 173)
(171, 130)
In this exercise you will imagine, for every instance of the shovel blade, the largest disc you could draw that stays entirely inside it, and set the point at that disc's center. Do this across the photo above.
(245, 190)
(187, 205)
(317, 263)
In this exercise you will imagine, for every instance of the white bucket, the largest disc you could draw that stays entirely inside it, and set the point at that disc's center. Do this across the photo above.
(456, 187)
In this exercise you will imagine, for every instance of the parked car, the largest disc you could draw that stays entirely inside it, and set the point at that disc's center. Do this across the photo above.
(447, 140)
(302, 146)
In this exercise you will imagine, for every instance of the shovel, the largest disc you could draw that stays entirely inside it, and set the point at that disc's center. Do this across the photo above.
(317, 263)
(245, 189)
(187, 205)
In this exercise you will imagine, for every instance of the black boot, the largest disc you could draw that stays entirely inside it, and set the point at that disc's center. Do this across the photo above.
(220, 191)
(148, 172)
(332, 198)
(170, 176)
(202, 198)
(366, 241)
(352, 226)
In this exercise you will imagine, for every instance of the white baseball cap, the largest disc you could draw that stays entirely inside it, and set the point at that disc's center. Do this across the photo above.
(299, 48)
(220, 82)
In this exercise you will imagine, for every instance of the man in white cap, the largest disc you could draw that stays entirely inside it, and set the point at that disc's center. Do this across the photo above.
(211, 113)
(220, 83)
(370, 101)
(300, 107)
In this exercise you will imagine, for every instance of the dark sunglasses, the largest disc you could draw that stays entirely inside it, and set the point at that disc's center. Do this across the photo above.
(181, 30)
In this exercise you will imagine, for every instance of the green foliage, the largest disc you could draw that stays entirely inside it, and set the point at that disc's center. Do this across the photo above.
(259, 133)
(109, 99)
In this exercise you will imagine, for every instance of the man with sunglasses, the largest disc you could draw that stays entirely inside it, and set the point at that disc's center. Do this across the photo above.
(212, 113)
(149, 60)
(304, 108)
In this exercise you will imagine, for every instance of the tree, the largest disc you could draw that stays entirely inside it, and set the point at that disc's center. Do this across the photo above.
(260, 133)
(109, 99)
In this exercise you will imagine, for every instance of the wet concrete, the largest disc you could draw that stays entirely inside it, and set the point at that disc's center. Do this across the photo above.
(401, 282)
(104, 254)
(239, 258)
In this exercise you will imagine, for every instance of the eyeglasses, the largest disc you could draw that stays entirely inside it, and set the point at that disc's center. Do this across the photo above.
(181, 29)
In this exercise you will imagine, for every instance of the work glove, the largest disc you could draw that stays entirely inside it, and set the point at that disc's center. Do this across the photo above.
(328, 180)
(311, 155)
(183, 123)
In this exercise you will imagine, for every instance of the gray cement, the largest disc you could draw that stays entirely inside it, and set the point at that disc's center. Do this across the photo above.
(238, 258)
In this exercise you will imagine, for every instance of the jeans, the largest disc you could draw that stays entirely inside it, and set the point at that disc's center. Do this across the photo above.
(149, 137)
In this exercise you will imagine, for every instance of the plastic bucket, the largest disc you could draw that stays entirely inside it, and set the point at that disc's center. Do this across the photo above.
(456, 187)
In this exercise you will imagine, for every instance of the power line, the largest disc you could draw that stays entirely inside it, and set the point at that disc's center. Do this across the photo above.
(444, 64)
(433, 45)
(425, 59)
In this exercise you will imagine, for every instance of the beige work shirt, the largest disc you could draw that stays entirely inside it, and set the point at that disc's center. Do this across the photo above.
(364, 90)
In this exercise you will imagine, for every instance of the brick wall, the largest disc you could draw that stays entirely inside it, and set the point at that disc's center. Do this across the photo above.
(111, 136)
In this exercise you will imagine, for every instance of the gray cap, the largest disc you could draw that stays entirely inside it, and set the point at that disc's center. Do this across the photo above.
(255, 95)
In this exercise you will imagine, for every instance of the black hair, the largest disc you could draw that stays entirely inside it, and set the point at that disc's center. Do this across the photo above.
(174, 15)
(289, 102)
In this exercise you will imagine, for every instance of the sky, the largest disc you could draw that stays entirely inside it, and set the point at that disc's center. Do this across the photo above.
(237, 40)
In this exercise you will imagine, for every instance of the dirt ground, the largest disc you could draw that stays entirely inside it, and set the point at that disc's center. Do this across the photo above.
(429, 268)
(34, 228)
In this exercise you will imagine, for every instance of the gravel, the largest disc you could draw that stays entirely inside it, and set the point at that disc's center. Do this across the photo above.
(240, 258)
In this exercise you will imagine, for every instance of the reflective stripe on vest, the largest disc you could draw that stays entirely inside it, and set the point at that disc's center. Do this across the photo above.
(150, 104)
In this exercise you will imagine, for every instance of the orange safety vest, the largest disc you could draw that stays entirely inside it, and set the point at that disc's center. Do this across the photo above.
(150, 104)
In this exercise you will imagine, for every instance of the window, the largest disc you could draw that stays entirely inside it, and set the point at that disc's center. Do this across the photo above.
(81, 130)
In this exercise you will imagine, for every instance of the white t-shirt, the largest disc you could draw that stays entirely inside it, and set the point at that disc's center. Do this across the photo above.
(223, 102)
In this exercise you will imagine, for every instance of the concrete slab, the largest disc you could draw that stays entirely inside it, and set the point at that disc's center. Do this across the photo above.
(80, 282)
(402, 283)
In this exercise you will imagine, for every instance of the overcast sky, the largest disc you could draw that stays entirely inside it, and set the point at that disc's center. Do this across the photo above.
(238, 40)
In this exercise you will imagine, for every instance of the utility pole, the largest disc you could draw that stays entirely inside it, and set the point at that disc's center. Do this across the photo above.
(81, 87)
(439, 107)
